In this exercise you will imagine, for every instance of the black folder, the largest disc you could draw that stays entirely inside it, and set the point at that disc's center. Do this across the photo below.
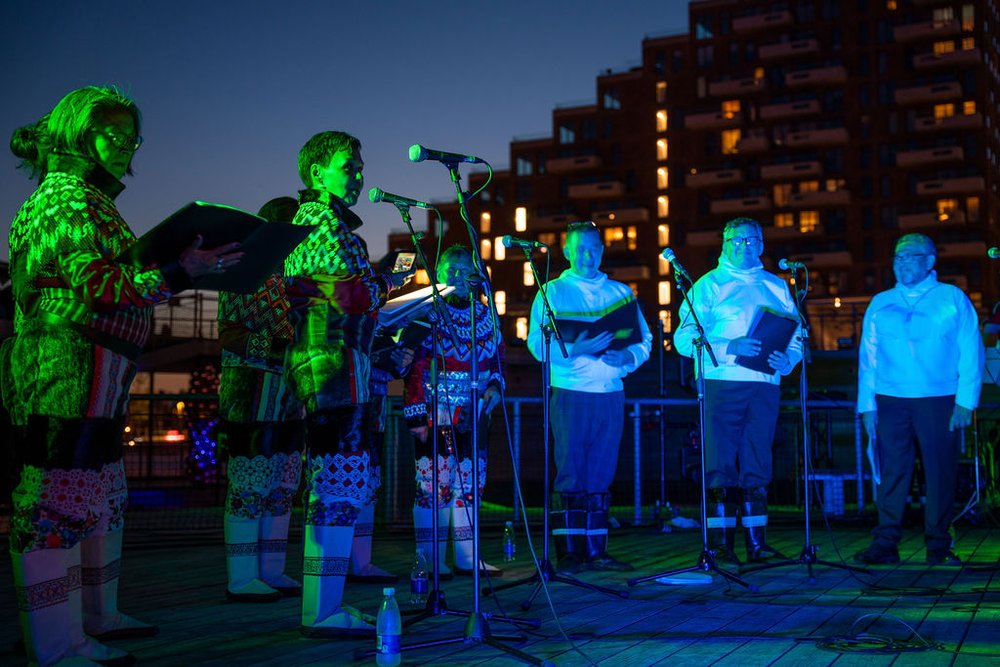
(774, 331)
(622, 323)
(264, 244)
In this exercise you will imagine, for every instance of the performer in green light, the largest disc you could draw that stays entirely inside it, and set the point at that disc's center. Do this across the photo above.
(335, 296)
(81, 318)
(262, 427)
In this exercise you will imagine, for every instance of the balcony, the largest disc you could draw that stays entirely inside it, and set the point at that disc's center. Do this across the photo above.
(705, 179)
(972, 121)
(832, 136)
(929, 156)
(817, 77)
(557, 220)
(937, 92)
(621, 215)
(930, 219)
(737, 87)
(745, 205)
(800, 47)
(784, 233)
(963, 249)
(762, 22)
(565, 165)
(627, 274)
(823, 198)
(789, 109)
(713, 120)
(774, 172)
(600, 190)
(701, 239)
(952, 186)
(825, 260)
(750, 145)
(926, 30)
(950, 59)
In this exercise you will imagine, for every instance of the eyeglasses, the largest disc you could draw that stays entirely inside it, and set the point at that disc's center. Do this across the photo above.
(743, 240)
(123, 142)
(909, 258)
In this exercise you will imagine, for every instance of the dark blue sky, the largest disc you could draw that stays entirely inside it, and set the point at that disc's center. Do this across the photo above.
(230, 90)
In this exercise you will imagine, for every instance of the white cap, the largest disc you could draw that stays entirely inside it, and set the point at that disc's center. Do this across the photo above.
(388, 591)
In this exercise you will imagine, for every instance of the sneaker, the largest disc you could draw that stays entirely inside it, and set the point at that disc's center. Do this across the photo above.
(942, 557)
(877, 554)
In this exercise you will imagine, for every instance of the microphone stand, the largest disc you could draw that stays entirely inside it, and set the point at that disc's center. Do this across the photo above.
(809, 554)
(706, 559)
(477, 629)
(545, 571)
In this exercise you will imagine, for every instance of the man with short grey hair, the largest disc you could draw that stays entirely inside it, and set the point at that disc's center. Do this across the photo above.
(919, 377)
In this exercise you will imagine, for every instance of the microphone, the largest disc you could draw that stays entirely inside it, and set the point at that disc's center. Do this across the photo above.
(512, 242)
(375, 196)
(418, 154)
(669, 255)
(993, 253)
(789, 265)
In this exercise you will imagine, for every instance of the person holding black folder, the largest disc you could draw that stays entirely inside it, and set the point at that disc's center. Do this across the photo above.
(335, 295)
(262, 431)
(82, 317)
(742, 393)
(588, 399)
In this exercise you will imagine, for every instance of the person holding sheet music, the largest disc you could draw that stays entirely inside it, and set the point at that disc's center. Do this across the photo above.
(456, 416)
(81, 319)
(335, 295)
(920, 367)
(588, 400)
(741, 403)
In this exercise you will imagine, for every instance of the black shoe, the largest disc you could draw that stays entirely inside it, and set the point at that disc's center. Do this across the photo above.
(727, 557)
(764, 553)
(877, 554)
(254, 598)
(605, 562)
(569, 564)
(942, 557)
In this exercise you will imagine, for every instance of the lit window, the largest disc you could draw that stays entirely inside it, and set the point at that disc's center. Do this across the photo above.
(808, 220)
(968, 43)
(486, 248)
(420, 277)
(501, 250)
(500, 299)
(968, 18)
(835, 184)
(784, 220)
(969, 107)
(520, 219)
(661, 92)
(666, 321)
(529, 278)
(632, 237)
(484, 223)
(521, 328)
(730, 108)
(663, 206)
(663, 235)
(890, 5)
(972, 209)
(944, 47)
(730, 141)
(662, 178)
(944, 110)
(944, 14)
(758, 73)
(661, 120)
(664, 265)
(809, 186)
(548, 238)
(945, 207)
(635, 289)
(782, 192)
(664, 292)
(662, 150)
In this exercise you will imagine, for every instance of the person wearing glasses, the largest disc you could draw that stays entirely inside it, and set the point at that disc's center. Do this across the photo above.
(920, 367)
(335, 296)
(741, 404)
(81, 319)
(588, 399)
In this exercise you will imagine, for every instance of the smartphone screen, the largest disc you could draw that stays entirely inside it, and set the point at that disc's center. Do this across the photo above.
(404, 262)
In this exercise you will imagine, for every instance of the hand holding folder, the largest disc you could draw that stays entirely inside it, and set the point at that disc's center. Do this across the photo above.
(774, 331)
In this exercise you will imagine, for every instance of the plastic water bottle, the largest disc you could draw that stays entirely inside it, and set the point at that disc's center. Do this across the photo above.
(388, 630)
(418, 579)
(509, 548)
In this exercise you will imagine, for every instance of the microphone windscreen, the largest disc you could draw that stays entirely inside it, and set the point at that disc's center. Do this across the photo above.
(374, 195)
(417, 153)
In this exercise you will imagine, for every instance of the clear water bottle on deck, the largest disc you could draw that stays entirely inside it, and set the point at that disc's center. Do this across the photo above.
(509, 547)
(418, 579)
(388, 630)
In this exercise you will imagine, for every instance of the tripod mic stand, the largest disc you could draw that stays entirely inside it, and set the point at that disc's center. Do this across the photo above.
(545, 571)
(809, 555)
(706, 559)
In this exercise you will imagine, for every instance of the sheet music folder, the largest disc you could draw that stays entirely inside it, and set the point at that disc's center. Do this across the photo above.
(265, 244)
(774, 331)
(397, 311)
(622, 323)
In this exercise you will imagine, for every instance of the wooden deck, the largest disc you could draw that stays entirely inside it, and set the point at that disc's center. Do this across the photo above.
(179, 585)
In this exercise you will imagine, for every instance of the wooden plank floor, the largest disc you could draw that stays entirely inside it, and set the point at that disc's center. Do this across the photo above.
(176, 580)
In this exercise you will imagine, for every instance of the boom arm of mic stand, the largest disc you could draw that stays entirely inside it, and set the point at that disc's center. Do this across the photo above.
(550, 320)
(697, 323)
